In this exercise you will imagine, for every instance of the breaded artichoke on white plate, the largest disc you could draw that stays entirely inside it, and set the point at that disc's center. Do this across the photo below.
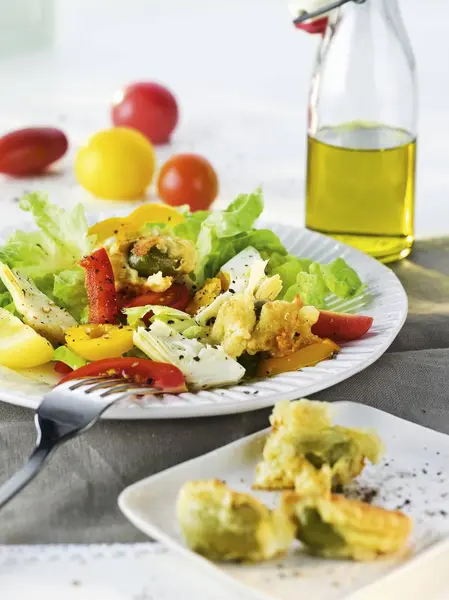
(333, 526)
(303, 430)
(278, 328)
(234, 325)
(150, 262)
(283, 328)
(224, 525)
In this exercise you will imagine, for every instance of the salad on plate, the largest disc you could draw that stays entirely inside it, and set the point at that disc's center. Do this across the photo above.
(185, 300)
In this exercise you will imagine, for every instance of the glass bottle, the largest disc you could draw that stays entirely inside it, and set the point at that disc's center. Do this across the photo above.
(362, 131)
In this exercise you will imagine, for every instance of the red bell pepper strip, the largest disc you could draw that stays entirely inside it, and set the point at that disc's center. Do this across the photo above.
(162, 376)
(176, 296)
(100, 287)
(341, 327)
(61, 368)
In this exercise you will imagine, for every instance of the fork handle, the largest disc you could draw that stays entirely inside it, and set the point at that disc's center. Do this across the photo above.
(18, 481)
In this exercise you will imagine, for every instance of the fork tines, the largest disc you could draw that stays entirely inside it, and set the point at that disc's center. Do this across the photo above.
(112, 385)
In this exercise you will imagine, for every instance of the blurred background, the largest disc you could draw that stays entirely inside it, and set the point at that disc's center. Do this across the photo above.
(239, 70)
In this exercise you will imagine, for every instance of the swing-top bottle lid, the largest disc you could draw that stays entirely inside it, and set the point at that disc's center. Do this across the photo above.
(304, 11)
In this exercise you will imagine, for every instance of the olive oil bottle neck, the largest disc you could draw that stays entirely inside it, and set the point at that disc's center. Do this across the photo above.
(369, 17)
(365, 70)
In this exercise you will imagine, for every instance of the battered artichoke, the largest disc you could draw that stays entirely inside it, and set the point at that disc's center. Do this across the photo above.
(333, 526)
(303, 430)
(151, 262)
(224, 525)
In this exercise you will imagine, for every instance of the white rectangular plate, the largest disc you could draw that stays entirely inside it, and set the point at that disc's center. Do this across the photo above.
(413, 476)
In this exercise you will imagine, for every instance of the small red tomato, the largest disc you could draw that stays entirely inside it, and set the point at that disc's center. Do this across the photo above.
(188, 179)
(30, 151)
(148, 107)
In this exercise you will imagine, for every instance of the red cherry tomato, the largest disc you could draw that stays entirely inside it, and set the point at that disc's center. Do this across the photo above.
(188, 179)
(341, 327)
(30, 151)
(162, 376)
(148, 107)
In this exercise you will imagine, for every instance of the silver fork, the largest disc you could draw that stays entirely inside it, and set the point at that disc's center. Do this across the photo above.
(66, 412)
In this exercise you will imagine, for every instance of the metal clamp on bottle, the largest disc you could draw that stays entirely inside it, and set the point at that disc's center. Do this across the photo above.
(307, 16)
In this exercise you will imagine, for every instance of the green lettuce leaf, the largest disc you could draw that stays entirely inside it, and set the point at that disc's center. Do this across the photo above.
(340, 278)
(214, 242)
(263, 240)
(190, 228)
(69, 291)
(61, 241)
(220, 235)
(7, 303)
(73, 360)
(287, 267)
(49, 256)
(315, 282)
(239, 216)
(310, 287)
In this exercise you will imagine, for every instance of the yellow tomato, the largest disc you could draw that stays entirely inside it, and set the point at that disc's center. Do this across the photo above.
(20, 346)
(117, 163)
(305, 357)
(147, 213)
(95, 342)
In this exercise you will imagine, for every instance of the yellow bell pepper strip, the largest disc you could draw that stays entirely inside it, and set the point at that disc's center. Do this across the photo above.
(205, 296)
(98, 341)
(20, 346)
(122, 227)
(305, 357)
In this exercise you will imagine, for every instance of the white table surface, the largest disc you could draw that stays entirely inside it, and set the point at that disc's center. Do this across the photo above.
(241, 74)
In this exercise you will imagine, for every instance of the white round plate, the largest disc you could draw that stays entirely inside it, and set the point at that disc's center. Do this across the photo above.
(388, 307)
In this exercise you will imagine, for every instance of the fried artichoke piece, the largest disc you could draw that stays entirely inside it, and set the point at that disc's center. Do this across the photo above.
(225, 525)
(303, 430)
(235, 321)
(333, 526)
(151, 262)
(282, 328)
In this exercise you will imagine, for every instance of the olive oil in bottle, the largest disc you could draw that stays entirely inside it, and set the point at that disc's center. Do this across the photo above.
(361, 158)
(361, 187)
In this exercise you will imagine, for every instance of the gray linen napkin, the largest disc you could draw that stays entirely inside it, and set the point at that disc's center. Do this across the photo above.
(75, 498)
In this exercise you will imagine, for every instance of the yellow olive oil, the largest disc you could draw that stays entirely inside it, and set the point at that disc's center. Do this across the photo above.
(361, 187)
